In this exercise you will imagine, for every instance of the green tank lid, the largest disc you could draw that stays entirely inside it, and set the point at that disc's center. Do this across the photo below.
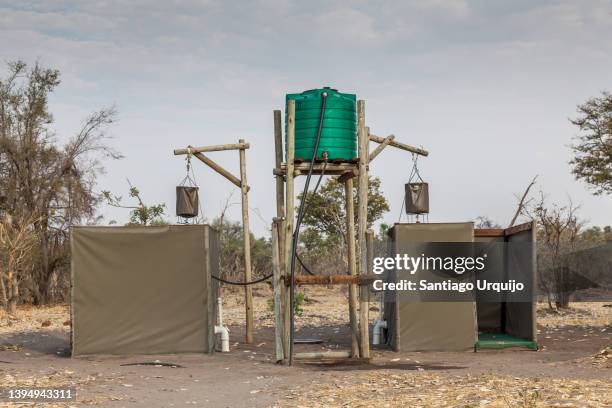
(339, 131)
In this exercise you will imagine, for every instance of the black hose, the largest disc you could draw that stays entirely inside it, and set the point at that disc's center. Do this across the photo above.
(307, 269)
(241, 283)
(296, 233)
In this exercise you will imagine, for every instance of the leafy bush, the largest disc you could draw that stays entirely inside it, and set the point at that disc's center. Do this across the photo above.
(298, 300)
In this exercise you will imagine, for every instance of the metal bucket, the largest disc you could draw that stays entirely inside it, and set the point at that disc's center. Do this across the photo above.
(417, 198)
(187, 201)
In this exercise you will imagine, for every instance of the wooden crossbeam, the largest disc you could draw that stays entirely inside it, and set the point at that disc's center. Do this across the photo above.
(399, 145)
(347, 175)
(213, 148)
(501, 232)
(381, 147)
(329, 170)
(219, 169)
(518, 228)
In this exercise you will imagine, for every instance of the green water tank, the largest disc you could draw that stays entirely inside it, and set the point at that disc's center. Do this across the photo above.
(339, 131)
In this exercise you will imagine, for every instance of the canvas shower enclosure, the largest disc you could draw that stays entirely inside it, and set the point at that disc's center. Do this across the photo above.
(509, 324)
(143, 290)
(429, 326)
(465, 325)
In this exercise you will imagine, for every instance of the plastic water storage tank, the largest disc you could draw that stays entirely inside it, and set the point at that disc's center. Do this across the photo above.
(339, 132)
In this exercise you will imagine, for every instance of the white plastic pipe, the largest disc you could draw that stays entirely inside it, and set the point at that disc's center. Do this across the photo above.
(380, 323)
(221, 329)
(224, 332)
(377, 332)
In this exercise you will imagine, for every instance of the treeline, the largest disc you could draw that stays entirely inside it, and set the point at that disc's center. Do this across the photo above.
(47, 186)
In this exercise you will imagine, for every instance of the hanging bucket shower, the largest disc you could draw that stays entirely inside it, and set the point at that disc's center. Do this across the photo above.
(187, 202)
(416, 192)
(417, 198)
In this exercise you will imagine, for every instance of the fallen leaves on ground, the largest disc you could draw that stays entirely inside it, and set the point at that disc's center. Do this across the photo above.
(602, 359)
(32, 318)
(585, 314)
(422, 389)
(53, 379)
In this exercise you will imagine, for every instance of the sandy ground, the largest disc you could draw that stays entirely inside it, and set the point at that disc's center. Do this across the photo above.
(569, 370)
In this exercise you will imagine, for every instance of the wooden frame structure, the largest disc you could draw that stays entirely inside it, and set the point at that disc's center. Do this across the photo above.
(359, 251)
(240, 182)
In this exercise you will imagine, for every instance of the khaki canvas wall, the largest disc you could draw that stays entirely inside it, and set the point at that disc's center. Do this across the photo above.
(143, 290)
(422, 326)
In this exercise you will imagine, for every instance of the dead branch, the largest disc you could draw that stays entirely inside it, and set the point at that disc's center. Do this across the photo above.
(521, 204)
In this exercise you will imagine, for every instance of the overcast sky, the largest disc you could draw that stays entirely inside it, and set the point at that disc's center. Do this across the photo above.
(486, 86)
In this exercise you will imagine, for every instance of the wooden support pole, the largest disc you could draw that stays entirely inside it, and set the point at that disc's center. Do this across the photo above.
(370, 251)
(401, 146)
(352, 265)
(216, 167)
(362, 219)
(278, 286)
(214, 148)
(246, 233)
(278, 160)
(289, 218)
(380, 147)
(282, 323)
(369, 272)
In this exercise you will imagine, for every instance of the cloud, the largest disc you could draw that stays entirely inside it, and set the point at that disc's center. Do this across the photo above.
(463, 78)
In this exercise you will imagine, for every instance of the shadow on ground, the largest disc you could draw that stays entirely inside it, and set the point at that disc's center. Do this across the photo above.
(51, 342)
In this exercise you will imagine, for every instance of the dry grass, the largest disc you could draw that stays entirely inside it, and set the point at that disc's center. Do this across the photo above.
(389, 389)
(54, 379)
(30, 318)
(321, 306)
(583, 314)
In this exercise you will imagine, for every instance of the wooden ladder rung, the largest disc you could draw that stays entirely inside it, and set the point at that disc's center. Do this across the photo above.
(322, 355)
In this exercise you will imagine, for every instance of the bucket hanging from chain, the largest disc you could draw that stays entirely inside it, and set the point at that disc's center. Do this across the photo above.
(417, 198)
(416, 192)
(187, 201)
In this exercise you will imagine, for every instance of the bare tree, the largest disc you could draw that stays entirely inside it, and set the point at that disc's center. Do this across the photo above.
(558, 234)
(523, 202)
(18, 240)
(483, 221)
(42, 179)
